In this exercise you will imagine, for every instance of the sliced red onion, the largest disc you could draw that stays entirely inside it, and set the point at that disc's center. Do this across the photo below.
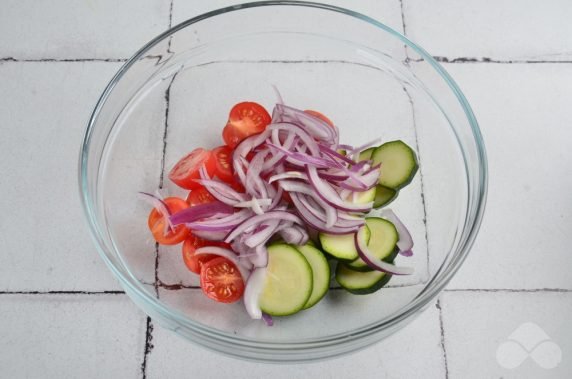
(221, 191)
(252, 202)
(279, 99)
(330, 196)
(334, 154)
(314, 221)
(313, 125)
(371, 143)
(228, 254)
(160, 206)
(253, 184)
(210, 236)
(345, 147)
(267, 319)
(296, 130)
(200, 211)
(405, 242)
(294, 235)
(260, 256)
(406, 253)
(255, 220)
(301, 159)
(333, 175)
(254, 287)
(375, 263)
(288, 175)
(261, 236)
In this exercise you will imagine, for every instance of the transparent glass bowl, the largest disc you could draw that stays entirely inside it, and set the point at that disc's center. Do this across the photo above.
(174, 95)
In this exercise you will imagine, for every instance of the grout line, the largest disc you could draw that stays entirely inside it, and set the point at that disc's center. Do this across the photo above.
(442, 329)
(148, 346)
(175, 287)
(171, 14)
(491, 60)
(170, 26)
(532, 290)
(162, 174)
(404, 26)
(12, 59)
(420, 176)
(408, 59)
(165, 130)
(156, 277)
(62, 292)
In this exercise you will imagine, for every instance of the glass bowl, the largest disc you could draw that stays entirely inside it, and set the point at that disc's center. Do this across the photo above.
(174, 95)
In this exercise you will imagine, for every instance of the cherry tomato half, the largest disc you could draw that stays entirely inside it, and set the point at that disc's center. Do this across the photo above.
(244, 120)
(320, 116)
(221, 280)
(223, 163)
(156, 223)
(192, 261)
(187, 169)
(199, 196)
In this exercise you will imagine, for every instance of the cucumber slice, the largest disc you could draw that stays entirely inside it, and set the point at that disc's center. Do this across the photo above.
(366, 154)
(341, 246)
(382, 243)
(360, 283)
(320, 271)
(398, 164)
(288, 283)
(384, 196)
(364, 196)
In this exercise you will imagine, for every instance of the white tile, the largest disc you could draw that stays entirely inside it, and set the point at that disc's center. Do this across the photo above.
(386, 11)
(310, 34)
(70, 336)
(79, 29)
(45, 244)
(414, 349)
(524, 114)
(505, 29)
(508, 335)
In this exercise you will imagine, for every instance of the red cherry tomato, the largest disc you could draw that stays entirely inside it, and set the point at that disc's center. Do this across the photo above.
(156, 223)
(244, 120)
(187, 169)
(200, 196)
(320, 116)
(223, 163)
(192, 261)
(221, 280)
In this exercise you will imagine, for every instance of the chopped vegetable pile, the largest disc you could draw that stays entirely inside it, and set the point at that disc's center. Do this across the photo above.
(267, 210)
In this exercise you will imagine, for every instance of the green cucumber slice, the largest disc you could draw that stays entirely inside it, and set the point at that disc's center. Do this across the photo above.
(320, 271)
(382, 242)
(366, 154)
(360, 283)
(364, 196)
(288, 283)
(398, 164)
(341, 246)
(384, 196)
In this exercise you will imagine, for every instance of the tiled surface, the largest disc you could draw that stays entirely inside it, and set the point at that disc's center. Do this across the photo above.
(504, 315)
(386, 11)
(400, 356)
(68, 29)
(44, 109)
(70, 336)
(532, 324)
(522, 30)
(524, 241)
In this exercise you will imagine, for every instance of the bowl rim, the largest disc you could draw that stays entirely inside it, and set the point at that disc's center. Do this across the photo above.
(432, 288)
